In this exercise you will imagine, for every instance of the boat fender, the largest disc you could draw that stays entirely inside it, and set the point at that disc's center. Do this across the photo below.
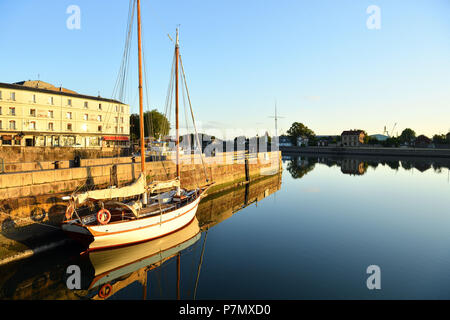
(103, 216)
(105, 291)
(69, 211)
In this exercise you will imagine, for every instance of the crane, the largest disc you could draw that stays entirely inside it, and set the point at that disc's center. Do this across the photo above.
(387, 132)
(392, 131)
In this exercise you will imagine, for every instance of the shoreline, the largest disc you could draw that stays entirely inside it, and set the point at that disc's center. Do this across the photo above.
(403, 152)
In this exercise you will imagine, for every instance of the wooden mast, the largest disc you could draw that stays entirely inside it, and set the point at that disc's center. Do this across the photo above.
(177, 52)
(141, 104)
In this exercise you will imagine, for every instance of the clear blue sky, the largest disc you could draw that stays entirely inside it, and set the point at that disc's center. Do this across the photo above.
(318, 59)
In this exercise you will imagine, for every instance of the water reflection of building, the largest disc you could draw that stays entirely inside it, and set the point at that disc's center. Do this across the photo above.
(353, 167)
(299, 166)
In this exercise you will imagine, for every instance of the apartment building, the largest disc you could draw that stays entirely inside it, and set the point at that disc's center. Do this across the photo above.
(36, 113)
(352, 138)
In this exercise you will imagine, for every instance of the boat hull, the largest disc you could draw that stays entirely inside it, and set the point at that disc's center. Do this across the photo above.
(131, 232)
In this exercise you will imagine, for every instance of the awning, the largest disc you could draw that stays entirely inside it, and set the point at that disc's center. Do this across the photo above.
(116, 138)
(6, 137)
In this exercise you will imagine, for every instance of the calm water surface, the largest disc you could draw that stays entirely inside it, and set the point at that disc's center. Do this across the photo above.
(312, 239)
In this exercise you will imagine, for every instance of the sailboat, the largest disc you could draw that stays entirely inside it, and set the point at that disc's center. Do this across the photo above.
(98, 220)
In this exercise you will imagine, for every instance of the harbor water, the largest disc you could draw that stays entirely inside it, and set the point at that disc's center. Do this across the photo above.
(310, 233)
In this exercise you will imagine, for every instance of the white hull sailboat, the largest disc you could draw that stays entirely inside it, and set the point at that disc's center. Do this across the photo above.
(127, 232)
(99, 220)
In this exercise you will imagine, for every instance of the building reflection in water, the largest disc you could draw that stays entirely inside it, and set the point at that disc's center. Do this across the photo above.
(125, 272)
(298, 166)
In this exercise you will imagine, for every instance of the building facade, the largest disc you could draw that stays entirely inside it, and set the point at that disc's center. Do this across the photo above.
(302, 141)
(352, 138)
(284, 141)
(35, 113)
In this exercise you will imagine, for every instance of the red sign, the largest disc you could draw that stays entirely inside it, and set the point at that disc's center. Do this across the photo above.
(116, 138)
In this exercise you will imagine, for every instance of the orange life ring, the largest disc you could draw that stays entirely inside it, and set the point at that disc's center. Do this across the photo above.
(69, 211)
(105, 291)
(103, 216)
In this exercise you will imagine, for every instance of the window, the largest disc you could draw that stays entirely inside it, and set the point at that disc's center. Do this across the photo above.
(69, 115)
(86, 117)
(12, 125)
(33, 125)
(86, 104)
(121, 129)
(117, 119)
(6, 141)
(0, 95)
(115, 130)
(50, 126)
(69, 127)
(117, 108)
(34, 98)
(12, 111)
(121, 119)
(50, 113)
(69, 102)
(32, 112)
(99, 128)
(0, 111)
(99, 106)
(121, 109)
(13, 96)
(50, 100)
(0, 124)
(99, 118)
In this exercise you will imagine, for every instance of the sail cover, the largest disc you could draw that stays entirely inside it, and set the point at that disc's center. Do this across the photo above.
(136, 188)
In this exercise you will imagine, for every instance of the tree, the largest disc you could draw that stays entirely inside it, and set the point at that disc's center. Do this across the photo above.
(391, 142)
(155, 124)
(408, 136)
(299, 129)
(440, 139)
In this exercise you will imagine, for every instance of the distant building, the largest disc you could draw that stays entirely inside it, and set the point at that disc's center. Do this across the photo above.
(322, 143)
(352, 138)
(379, 137)
(36, 113)
(302, 141)
(285, 141)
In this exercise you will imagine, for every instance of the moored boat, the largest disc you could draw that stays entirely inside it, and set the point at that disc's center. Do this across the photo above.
(142, 211)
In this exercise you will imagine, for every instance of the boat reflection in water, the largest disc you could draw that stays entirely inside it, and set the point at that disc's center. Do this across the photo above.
(107, 271)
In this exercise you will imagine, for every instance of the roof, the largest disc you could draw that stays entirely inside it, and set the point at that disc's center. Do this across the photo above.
(379, 137)
(37, 84)
(352, 132)
(44, 87)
